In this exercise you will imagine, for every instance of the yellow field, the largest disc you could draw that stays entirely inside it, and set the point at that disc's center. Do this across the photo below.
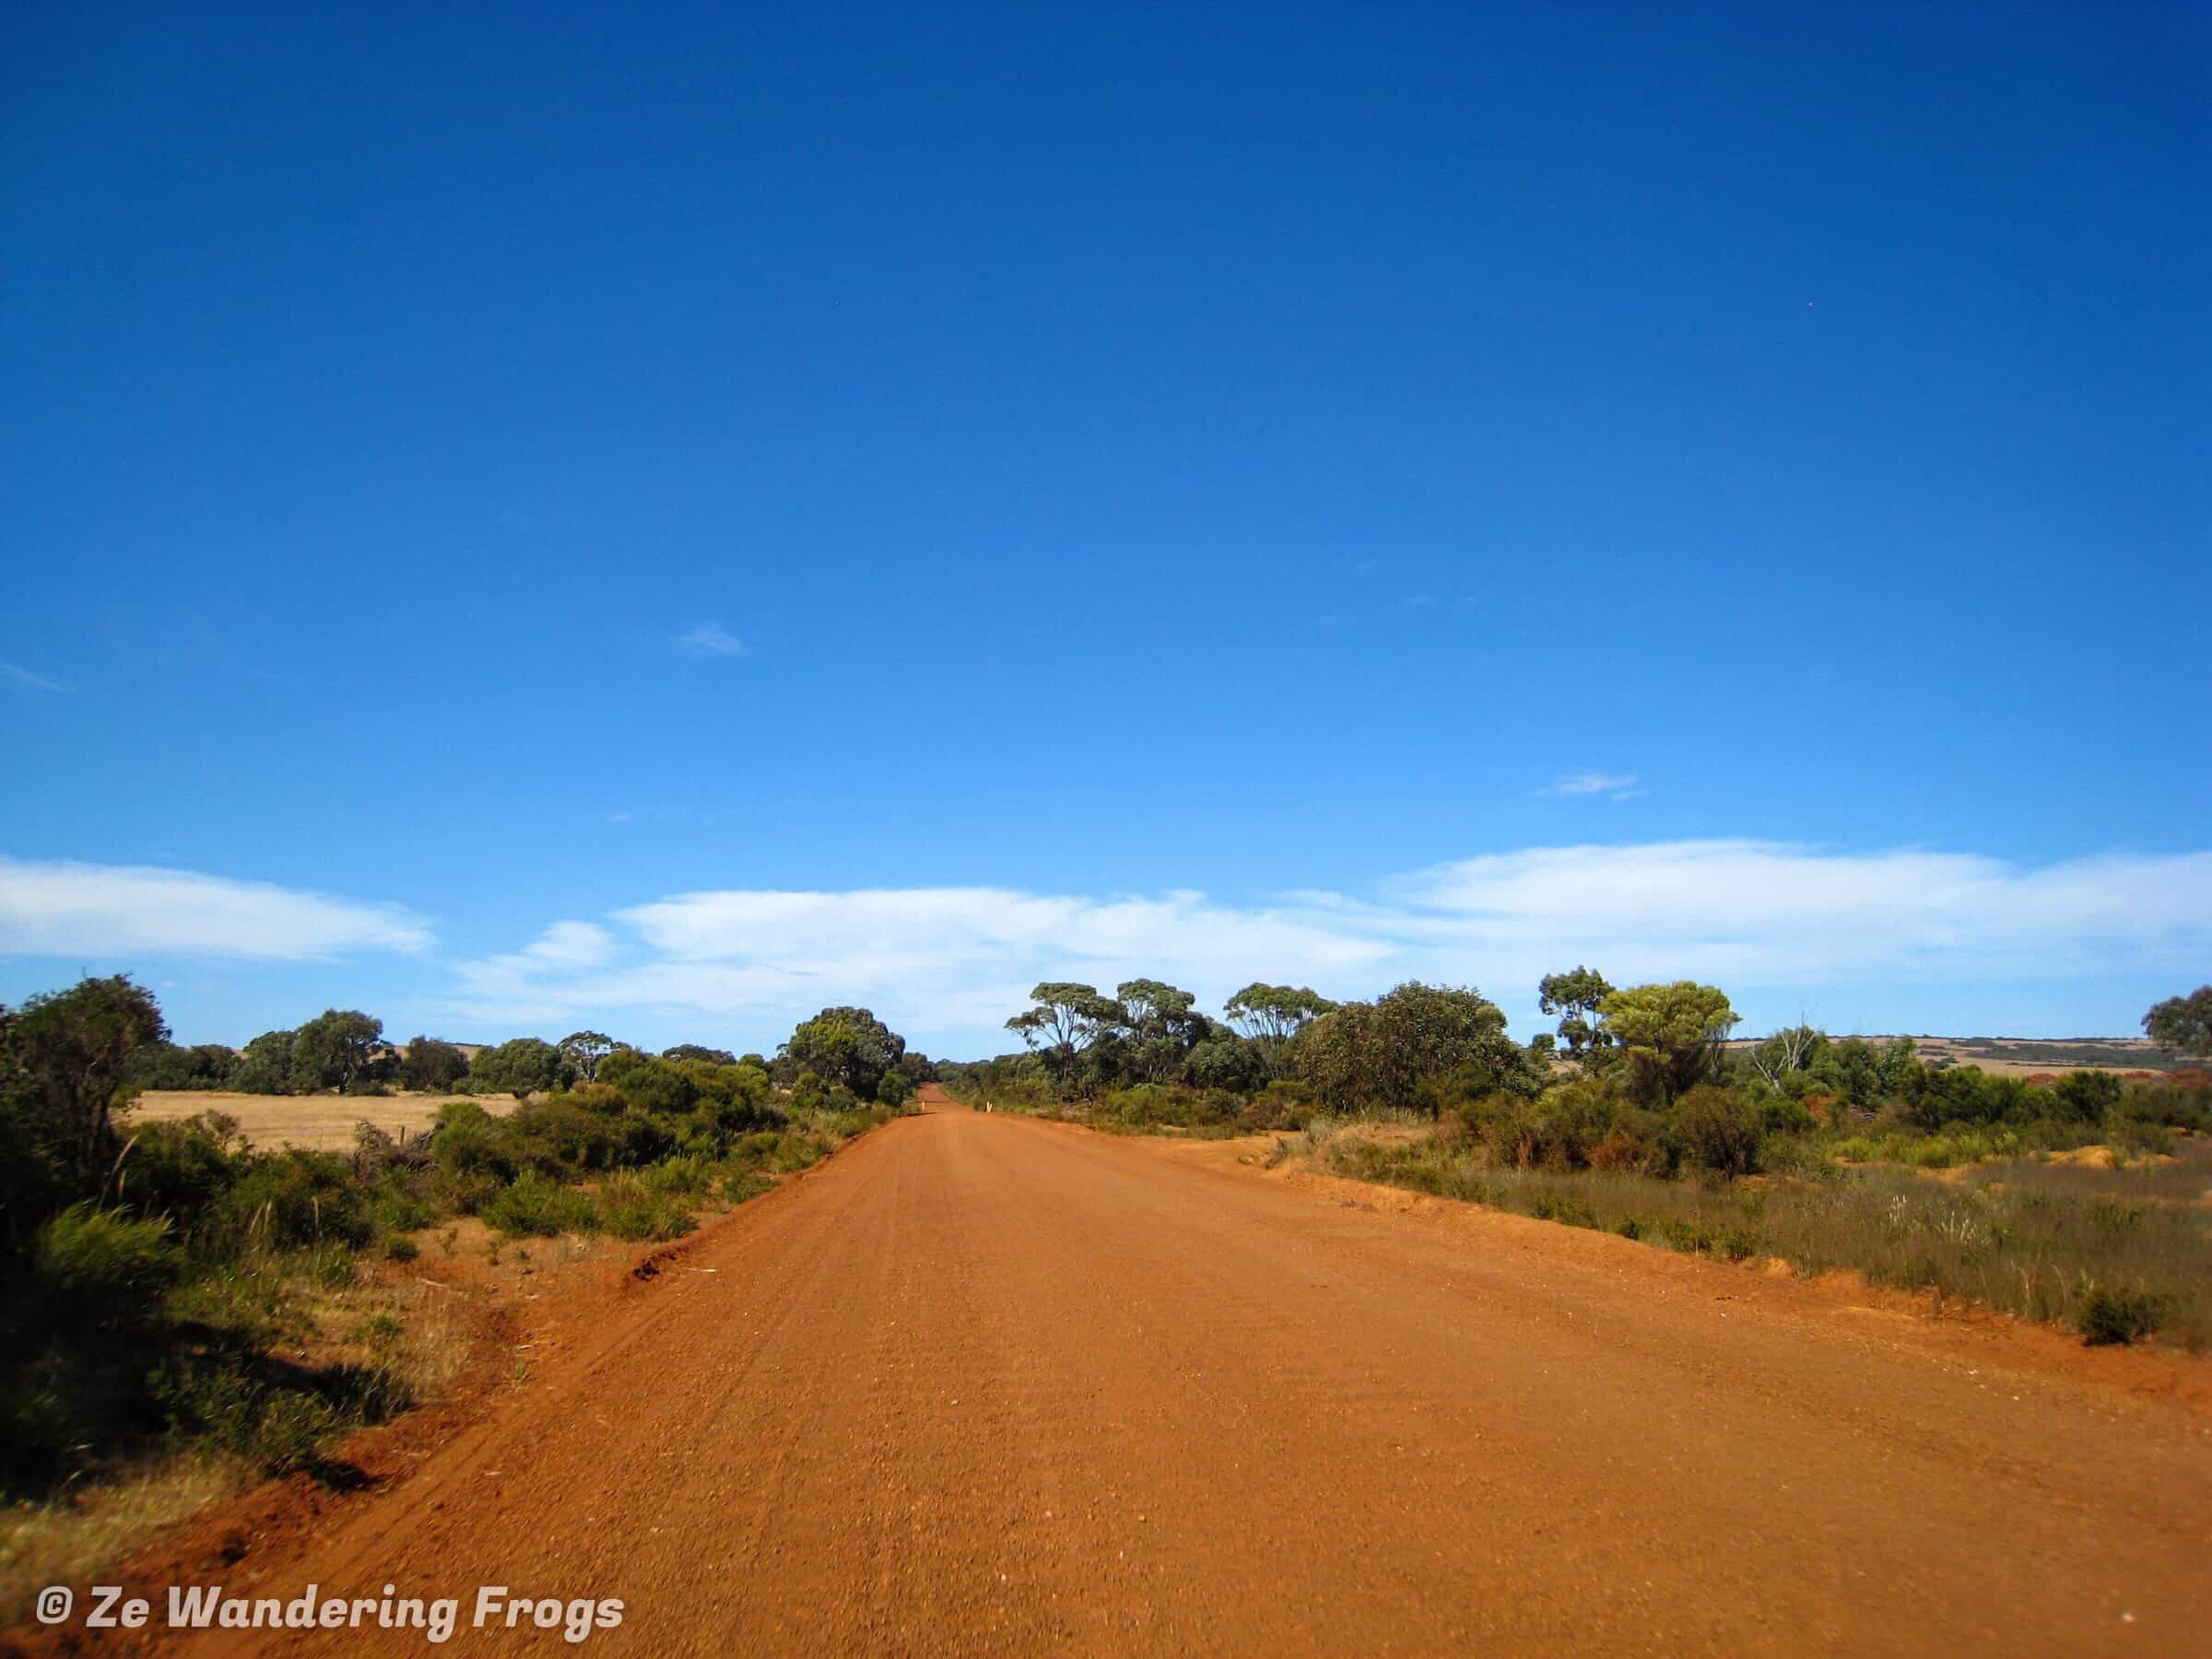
(322, 1122)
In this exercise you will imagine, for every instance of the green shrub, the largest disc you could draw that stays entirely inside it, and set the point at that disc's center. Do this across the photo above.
(679, 1177)
(400, 1248)
(470, 1141)
(279, 1429)
(398, 1207)
(629, 1209)
(562, 1136)
(660, 1087)
(1285, 1103)
(291, 1199)
(738, 1182)
(1720, 1130)
(537, 1208)
(178, 1170)
(102, 1267)
(2114, 1313)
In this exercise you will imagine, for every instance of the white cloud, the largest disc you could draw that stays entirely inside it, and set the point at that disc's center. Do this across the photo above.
(1621, 787)
(1740, 912)
(57, 908)
(570, 946)
(711, 640)
(36, 681)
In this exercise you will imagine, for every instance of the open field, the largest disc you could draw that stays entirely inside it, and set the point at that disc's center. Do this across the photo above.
(2030, 1056)
(989, 1384)
(322, 1122)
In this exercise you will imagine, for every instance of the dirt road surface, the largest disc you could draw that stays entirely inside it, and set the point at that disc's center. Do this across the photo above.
(982, 1385)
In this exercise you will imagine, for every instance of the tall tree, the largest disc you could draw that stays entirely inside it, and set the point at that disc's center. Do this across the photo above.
(1370, 1056)
(869, 1048)
(1797, 1048)
(1274, 1014)
(1575, 996)
(264, 1066)
(336, 1048)
(2182, 1025)
(1160, 1025)
(585, 1049)
(1065, 1020)
(432, 1065)
(1672, 1034)
(522, 1067)
(64, 1057)
(1271, 1017)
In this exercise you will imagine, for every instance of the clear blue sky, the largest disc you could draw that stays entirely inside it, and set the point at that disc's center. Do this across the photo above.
(1005, 471)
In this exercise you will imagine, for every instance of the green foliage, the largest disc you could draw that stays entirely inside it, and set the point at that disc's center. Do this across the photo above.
(846, 1047)
(1575, 996)
(699, 1054)
(522, 1067)
(294, 1198)
(165, 1066)
(64, 1057)
(178, 1169)
(537, 1208)
(279, 1429)
(432, 1065)
(153, 1285)
(581, 1052)
(104, 1267)
(266, 1065)
(560, 1134)
(1064, 1020)
(338, 1049)
(2114, 1313)
(1377, 1056)
(1227, 1062)
(894, 1089)
(659, 1086)
(2183, 1024)
(1720, 1130)
(1671, 1034)
(1273, 1015)
(630, 1208)
(2087, 1096)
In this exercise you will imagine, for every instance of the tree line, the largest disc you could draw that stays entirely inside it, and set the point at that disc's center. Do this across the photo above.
(1639, 1077)
(343, 1051)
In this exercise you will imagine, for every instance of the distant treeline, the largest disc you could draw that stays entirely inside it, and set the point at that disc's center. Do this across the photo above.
(343, 1051)
(1642, 1077)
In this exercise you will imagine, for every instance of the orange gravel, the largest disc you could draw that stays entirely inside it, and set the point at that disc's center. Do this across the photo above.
(982, 1385)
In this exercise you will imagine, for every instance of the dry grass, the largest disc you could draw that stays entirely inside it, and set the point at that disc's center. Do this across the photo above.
(2035, 1237)
(67, 1539)
(414, 1335)
(321, 1122)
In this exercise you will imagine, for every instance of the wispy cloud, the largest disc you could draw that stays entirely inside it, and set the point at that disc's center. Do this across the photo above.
(58, 908)
(1621, 787)
(36, 681)
(711, 640)
(1743, 914)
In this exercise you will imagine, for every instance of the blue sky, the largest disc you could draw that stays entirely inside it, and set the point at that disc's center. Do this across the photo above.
(550, 516)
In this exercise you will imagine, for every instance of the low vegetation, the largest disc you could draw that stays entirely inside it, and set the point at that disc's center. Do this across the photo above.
(170, 1292)
(1639, 1117)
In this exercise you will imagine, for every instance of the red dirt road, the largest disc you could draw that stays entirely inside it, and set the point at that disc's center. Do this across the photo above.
(986, 1385)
